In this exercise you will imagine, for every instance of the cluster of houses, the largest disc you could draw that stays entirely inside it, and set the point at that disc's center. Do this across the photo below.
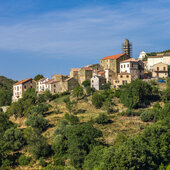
(117, 69)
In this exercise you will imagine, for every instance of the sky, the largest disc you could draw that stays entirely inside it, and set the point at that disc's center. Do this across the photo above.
(52, 36)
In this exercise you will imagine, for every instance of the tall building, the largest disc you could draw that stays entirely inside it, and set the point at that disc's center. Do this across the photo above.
(127, 47)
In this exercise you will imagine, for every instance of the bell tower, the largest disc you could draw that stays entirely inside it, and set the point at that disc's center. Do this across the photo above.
(127, 47)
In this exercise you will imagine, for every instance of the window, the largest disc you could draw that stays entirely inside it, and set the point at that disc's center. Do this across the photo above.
(164, 68)
(121, 76)
(124, 66)
(128, 65)
(121, 66)
(157, 68)
(127, 76)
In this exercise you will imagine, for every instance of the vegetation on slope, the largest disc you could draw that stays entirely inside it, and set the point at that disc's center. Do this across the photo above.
(88, 131)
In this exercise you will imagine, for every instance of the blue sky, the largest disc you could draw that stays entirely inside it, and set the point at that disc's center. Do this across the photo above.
(52, 36)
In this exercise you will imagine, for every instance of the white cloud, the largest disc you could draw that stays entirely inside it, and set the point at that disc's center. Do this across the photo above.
(87, 32)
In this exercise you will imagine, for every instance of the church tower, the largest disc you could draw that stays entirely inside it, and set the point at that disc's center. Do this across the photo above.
(127, 47)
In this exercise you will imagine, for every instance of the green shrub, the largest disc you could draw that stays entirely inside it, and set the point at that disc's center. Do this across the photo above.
(102, 119)
(147, 116)
(97, 100)
(24, 160)
(42, 162)
(71, 118)
(131, 112)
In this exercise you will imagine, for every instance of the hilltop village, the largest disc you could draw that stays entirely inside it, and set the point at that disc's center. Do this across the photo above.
(118, 70)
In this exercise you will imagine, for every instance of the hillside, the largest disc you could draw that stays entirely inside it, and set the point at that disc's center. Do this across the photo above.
(99, 130)
(6, 83)
(5, 90)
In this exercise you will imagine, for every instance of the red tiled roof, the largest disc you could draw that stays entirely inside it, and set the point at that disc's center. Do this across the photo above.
(101, 72)
(68, 78)
(87, 68)
(59, 75)
(112, 57)
(130, 59)
(23, 81)
(75, 69)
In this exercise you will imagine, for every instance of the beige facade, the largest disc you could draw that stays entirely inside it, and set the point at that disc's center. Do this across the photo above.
(159, 58)
(160, 70)
(62, 86)
(85, 73)
(96, 68)
(74, 72)
(20, 87)
(122, 79)
(134, 67)
(59, 77)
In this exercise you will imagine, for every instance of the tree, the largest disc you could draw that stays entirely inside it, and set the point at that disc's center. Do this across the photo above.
(76, 140)
(102, 119)
(5, 97)
(78, 91)
(107, 105)
(37, 144)
(97, 100)
(38, 77)
(86, 83)
(89, 90)
(70, 105)
(13, 139)
(135, 94)
(38, 122)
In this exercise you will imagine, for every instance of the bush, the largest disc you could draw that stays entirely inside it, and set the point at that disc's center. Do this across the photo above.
(147, 116)
(71, 118)
(37, 122)
(42, 162)
(97, 100)
(24, 160)
(102, 119)
(131, 112)
(135, 94)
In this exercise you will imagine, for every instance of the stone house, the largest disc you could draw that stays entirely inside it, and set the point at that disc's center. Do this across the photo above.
(123, 78)
(112, 63)
(61, 86)
(74, 72)
(59, 77)
(96, 68)
(160, 70)
(20, 87)
(98, 82)
(85, 73)
(134, 67)
(130, 69)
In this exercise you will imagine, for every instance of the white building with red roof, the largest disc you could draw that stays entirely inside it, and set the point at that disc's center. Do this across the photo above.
(22, 86)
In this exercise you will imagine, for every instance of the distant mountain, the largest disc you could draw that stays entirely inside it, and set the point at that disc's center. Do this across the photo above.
(155, 53)
(6, 83)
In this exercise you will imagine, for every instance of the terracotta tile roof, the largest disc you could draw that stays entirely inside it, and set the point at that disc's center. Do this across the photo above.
(87, 68)
(59, 75)
(112, 57)
(101, 72)
(75, 69)
(23, 81)
(130, 60)
(68, 79)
